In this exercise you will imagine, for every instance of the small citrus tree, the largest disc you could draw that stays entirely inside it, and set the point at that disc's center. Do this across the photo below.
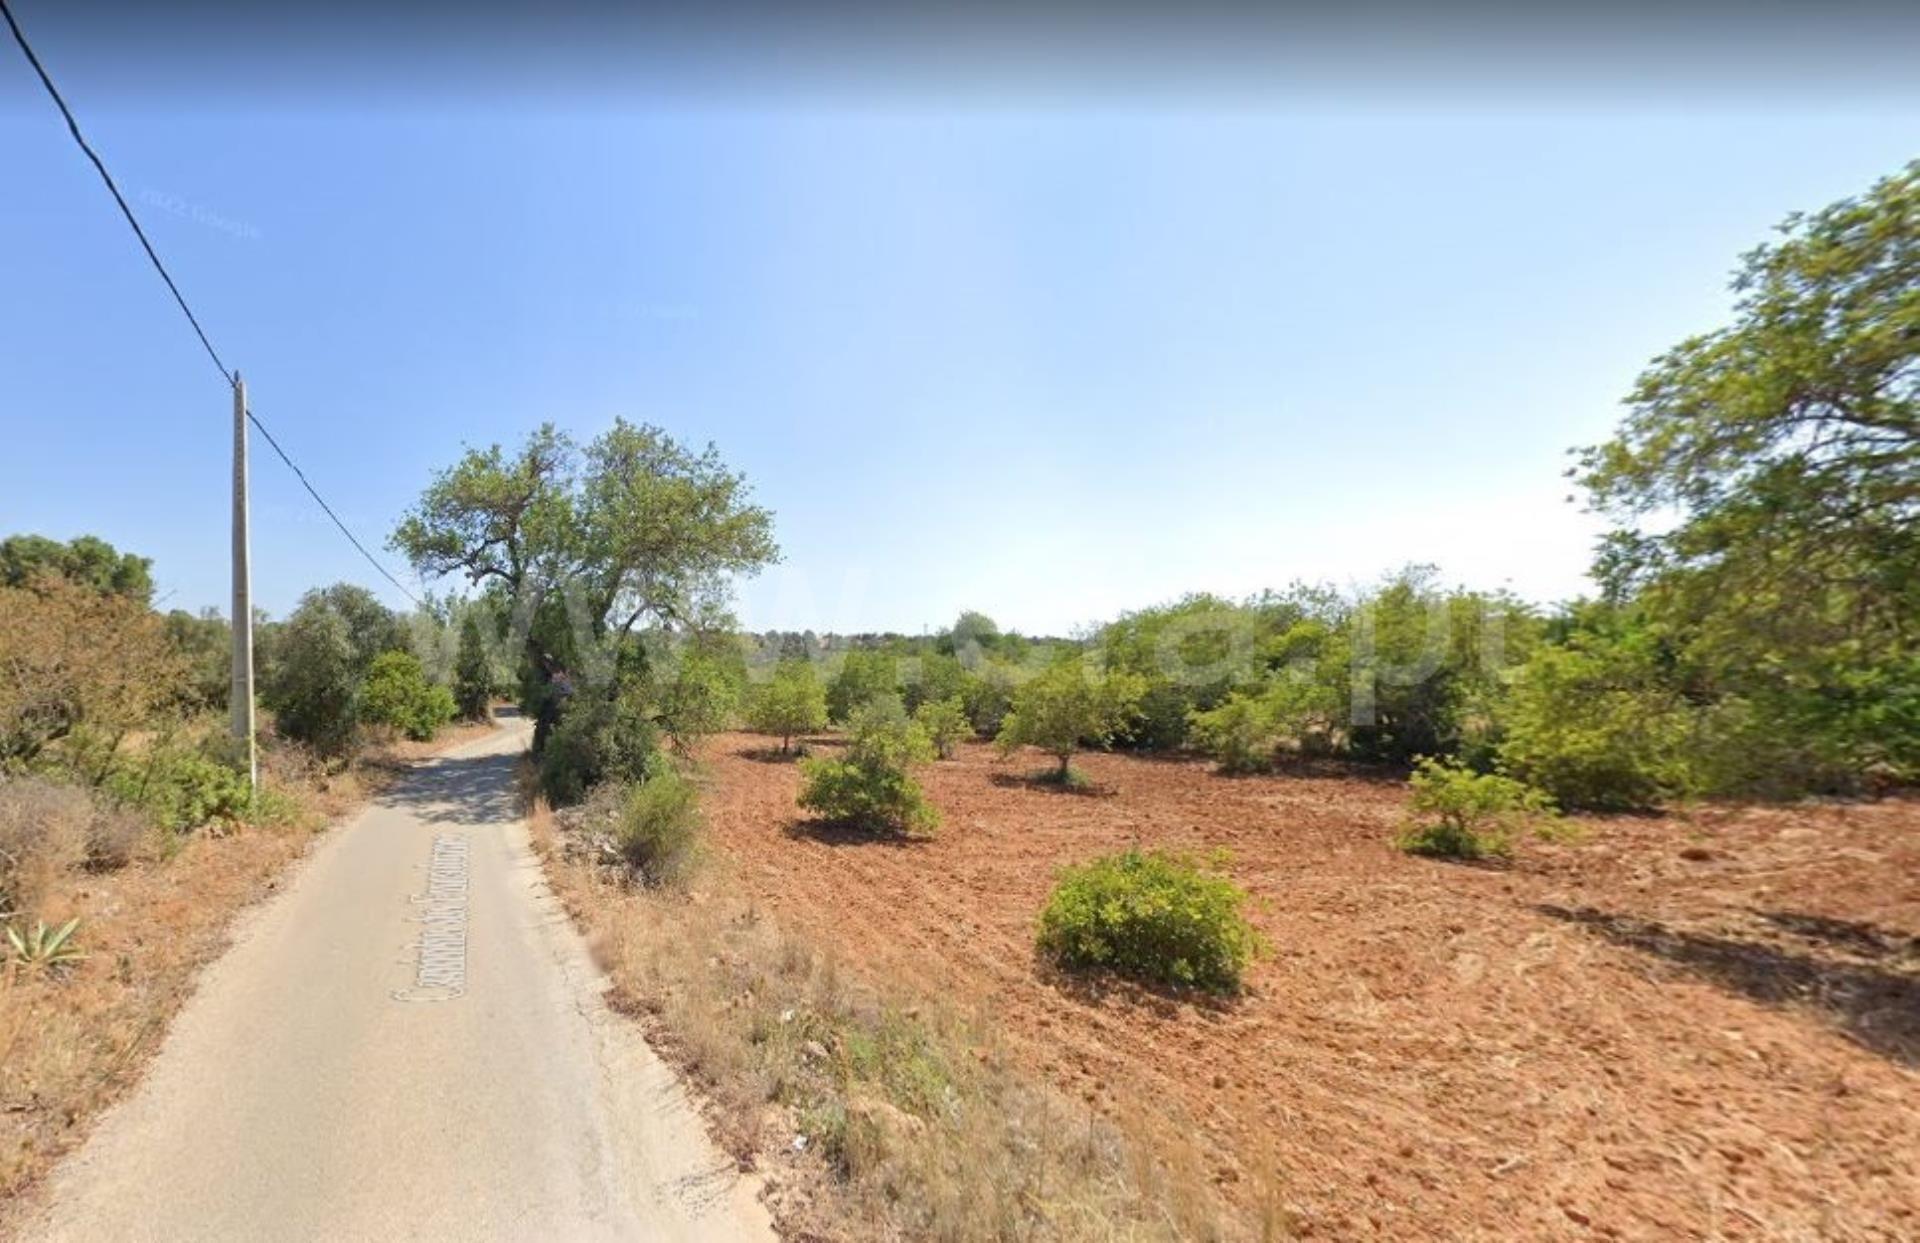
(945, 721)
(1474, 815)
(1064, 707)
(791, 702)
(699, 699)
(873, 787)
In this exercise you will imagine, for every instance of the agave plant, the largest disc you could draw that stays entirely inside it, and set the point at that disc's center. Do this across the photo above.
(44, 947)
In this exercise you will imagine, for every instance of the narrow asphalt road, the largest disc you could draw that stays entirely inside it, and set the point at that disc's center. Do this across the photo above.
(407, 1043)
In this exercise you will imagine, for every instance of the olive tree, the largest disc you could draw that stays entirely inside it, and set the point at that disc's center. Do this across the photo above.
(634, 529)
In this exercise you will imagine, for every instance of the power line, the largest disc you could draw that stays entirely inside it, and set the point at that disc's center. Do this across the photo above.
(321, 502)
(73, 128)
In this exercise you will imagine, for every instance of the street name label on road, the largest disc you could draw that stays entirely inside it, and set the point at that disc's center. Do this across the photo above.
(440, 971)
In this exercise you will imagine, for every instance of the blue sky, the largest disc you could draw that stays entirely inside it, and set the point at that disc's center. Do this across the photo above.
(1050, 359)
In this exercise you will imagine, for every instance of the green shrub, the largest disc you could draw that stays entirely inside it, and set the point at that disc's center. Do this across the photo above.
(599, 738)
(938, 676)
(1163, 719)
(873, 786)
(945, 721)
(398, 694)
(791, 702)
(656, 826)
(1593, 725)
(183, 788)
(988, 697)
(274, 807)
(1475, 814)
(1153, 916)
(1241, 734)
(438, 707)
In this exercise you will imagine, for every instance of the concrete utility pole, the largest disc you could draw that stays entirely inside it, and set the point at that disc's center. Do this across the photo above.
(240, 694)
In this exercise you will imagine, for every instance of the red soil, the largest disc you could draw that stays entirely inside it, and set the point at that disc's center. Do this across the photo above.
(1684, 1026)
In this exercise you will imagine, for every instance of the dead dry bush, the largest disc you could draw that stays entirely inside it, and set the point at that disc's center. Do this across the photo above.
(874, 1116)
(115, 836)
(44, 834)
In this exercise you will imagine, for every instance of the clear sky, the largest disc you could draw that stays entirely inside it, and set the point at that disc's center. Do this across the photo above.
(1046, 355)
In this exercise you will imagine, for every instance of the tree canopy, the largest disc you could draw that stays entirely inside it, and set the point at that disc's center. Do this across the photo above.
(1767, 479)
(643, 529)
(1787, 444)
(87, 561)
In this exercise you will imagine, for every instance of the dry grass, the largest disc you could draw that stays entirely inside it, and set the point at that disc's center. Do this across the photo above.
(872, 1115)
(73, 1041)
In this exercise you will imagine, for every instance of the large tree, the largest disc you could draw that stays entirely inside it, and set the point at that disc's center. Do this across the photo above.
(1767, 479)
(644, 530)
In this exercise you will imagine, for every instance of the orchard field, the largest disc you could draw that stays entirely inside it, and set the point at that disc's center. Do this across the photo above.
(1400, 909)
(1693, 1025)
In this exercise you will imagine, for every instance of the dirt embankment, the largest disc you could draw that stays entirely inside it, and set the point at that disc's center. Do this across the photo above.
(1683, 1026)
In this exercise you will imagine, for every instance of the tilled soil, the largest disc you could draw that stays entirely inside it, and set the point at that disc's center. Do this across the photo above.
(1695, 1026)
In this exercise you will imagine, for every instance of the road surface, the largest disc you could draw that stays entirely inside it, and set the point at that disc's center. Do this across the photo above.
(407, 1043)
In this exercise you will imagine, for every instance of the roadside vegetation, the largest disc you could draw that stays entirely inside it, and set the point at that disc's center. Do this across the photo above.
(129, 836)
